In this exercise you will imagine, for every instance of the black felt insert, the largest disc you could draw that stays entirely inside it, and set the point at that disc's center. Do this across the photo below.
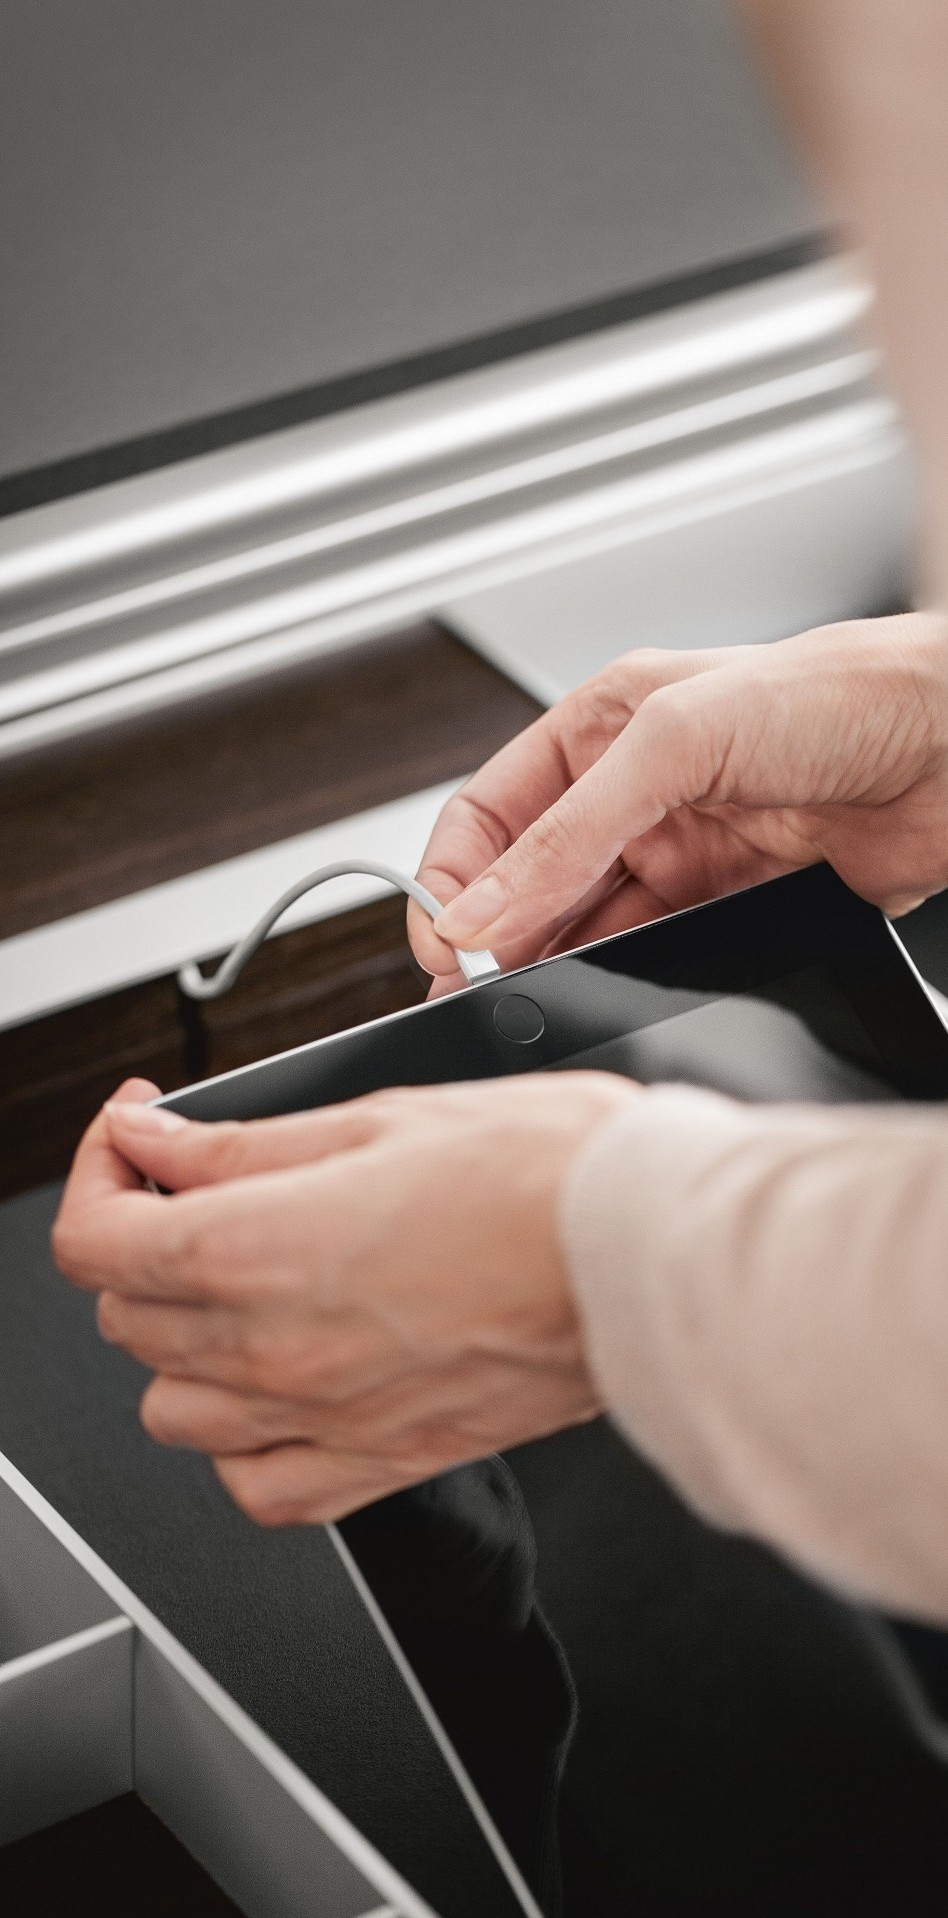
(271, 1615)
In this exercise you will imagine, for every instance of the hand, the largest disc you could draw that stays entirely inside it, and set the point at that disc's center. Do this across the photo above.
(673, 777)
(344, 1302)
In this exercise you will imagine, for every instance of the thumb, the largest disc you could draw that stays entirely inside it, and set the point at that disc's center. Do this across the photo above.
(668, 755)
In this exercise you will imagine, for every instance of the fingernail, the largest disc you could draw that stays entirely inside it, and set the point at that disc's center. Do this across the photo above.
(471, 912)
(148, 1121)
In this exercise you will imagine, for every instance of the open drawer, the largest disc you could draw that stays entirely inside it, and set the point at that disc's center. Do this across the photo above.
(97, 1699)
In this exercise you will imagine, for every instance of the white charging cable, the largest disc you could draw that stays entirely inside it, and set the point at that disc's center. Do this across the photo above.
(474, 965)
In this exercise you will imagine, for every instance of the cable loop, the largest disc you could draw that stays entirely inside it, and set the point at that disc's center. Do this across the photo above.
(194, 985)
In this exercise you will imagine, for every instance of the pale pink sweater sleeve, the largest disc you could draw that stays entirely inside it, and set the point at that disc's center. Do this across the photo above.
(765, 1294)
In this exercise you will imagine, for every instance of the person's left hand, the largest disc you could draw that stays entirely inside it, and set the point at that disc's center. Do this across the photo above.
(343, 1302)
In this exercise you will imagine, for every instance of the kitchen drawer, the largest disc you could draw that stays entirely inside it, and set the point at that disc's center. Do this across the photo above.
(97, 1699)
(269, 1722)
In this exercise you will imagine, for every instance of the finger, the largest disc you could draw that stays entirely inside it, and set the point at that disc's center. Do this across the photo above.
(134, 1091)
(201, 1246)
(631, 904)
(528, 776)
(895, 905)
(210, 1418)
(616, 904)
(442, 987)
(698, 855)
(301, 1485)
(484, 818)
(257, 1348)
(559, 935)
(190, 1340)
(668, 755)
(97, 1174)
(408, 1411)
(180, 1153)
(224, 1422)
(96, 1169)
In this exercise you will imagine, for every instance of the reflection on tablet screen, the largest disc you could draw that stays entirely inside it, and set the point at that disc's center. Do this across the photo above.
(453, 1563)
(754, 1048)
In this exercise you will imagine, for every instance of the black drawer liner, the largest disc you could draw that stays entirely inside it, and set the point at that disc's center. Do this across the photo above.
(271, 1615)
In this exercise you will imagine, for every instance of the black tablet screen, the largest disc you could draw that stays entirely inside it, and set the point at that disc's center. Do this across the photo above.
(804, 1040)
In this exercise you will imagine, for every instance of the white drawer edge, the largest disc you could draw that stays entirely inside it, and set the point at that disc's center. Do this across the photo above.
(62, 1648)
(66, 1728)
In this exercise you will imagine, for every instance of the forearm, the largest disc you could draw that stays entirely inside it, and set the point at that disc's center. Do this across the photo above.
(766, 1305)
(865, 85)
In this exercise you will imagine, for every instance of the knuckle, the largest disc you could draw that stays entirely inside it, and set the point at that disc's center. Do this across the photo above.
(604, 703)
(271, 1359)
(666, 708)
(227, 1148)
(323, 1376)
(663, 724)
(649, 658)
(205, 1255)
(548, 838)
(285, 1361)
(266, 1372)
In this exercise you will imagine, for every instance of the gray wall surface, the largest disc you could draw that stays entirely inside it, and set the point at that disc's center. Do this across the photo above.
(206, 202)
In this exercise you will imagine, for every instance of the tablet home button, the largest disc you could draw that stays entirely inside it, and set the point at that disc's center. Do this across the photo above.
(519, 1019)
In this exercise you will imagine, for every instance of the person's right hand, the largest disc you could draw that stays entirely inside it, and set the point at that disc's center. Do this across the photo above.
(671, 778)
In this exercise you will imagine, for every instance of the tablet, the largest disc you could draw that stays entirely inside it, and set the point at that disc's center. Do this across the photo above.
(795, 989)
(792, 990)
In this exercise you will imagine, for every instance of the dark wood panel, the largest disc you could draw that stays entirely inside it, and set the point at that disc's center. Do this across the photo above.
(308, 983)
(55, 1072)
(94, 819)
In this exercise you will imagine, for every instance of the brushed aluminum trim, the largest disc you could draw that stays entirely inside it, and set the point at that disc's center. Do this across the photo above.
(228, 565)
(62, 1648)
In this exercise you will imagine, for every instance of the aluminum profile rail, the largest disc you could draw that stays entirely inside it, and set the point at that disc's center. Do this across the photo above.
(231, 564)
